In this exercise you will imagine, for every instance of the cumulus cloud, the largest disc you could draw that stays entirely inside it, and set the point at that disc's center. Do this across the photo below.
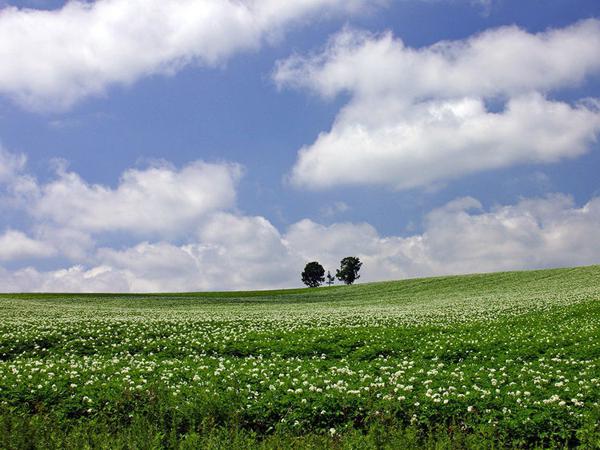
(156, 200)
(544, 232)
(421, 144)
(230, 252)
(160, 200)
(15, 244)
(243, 252)
(51, 59)
(418, 116)
(11, 165)
(220, 249)
(70, 243)
(463, 238)
(150, 267)
(506, 60)
(73, 279)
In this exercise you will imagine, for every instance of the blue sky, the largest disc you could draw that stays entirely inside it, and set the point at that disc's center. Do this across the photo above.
(480, 155)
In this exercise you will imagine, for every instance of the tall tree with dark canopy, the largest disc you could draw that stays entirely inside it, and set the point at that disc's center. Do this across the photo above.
(348, 271)
(313, 275)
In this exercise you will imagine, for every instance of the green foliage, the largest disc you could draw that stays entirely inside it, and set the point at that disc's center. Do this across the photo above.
(479, 361)
(349, 268)
(18, 432)
(313, 274)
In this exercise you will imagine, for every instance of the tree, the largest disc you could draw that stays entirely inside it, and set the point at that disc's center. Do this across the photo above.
(348, 271)
(330, 278)
(313, 274)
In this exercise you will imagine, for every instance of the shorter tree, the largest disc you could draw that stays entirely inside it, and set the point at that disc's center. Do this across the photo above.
(313, 274)
(330, 278)
(348, 271)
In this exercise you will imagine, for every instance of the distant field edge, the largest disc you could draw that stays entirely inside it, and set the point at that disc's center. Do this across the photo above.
(492, 276)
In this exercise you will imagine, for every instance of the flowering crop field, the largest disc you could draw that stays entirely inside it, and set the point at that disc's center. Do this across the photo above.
(506, 359)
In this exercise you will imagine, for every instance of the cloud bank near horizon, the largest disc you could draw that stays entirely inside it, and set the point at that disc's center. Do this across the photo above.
(216, 247)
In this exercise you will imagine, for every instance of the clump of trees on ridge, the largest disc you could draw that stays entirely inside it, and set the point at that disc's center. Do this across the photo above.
(314, 273)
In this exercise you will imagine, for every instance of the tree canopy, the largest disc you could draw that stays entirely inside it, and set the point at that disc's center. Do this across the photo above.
(348, 271)
(313, 274)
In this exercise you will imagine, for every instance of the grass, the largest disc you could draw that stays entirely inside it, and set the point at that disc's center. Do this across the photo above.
(479, 361)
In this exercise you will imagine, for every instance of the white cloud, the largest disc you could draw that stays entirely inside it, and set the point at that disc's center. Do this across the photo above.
(418, 116)
(241, 252)
(73, 244)
(230, 252)
(533, 233)
(421, 144)
(158, 200)
(154, 267)
(11, 165)
(224, 250)
(17, 245)
(51, 59)
(501, 61)
(251, 251)
(73, 279)
(462, 238)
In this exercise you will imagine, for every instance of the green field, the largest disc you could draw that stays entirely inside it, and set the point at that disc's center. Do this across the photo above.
(506, 359)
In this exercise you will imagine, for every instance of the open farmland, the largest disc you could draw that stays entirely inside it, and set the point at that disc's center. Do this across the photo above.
(509, 358)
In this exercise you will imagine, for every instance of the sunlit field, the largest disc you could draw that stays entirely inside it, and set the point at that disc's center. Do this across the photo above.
(507, 359)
